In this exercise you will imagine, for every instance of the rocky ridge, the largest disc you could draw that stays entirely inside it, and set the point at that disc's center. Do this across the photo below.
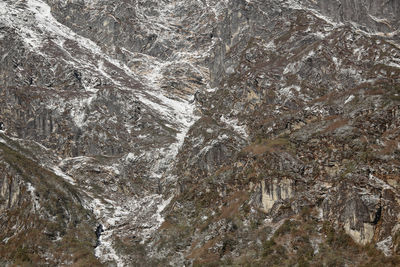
(200, 132)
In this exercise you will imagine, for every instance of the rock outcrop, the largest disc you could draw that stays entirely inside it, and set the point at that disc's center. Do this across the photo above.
(237, 132)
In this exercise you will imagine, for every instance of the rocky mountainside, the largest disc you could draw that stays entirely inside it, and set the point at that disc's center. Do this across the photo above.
(199, 133)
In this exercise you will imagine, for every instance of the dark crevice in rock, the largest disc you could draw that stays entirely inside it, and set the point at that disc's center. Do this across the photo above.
(78, 75)
(99, 230)
(378, 216)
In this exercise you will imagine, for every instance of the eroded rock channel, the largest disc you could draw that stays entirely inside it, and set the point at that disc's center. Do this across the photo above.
(199, 133)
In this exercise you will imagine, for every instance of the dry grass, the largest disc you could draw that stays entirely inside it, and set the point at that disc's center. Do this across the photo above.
(234, 202)
(389, 148)
(165, 225)
(264, 146)
(335, 125)
(58, 199)
(202, 254)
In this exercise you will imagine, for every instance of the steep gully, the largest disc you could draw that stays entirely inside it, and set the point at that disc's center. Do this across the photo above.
(178, 111)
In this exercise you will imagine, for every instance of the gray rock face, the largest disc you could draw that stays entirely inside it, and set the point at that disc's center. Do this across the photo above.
(41, 212)
(376, 15)
(191, 130)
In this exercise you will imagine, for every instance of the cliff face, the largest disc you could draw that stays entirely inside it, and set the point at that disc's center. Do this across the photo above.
(373, 15)
(200, 132)
(45, 219)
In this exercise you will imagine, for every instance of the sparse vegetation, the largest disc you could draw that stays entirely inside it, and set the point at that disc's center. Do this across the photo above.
(262, 145)
(64, 218)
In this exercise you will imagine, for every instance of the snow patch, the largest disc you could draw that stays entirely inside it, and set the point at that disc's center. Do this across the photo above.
(60, 173)
(147, 218)
(234, 123)
(32, 190)
(385, 246)
(293, 67)
(105, 250)
(130, 157)
(349, 99)
(379, 182)
(287, 91)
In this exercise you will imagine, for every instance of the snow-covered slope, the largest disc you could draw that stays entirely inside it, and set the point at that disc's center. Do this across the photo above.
(100, 75)
(184, 129)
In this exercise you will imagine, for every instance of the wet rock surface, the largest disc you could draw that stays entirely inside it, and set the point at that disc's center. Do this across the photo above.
(199, 132)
